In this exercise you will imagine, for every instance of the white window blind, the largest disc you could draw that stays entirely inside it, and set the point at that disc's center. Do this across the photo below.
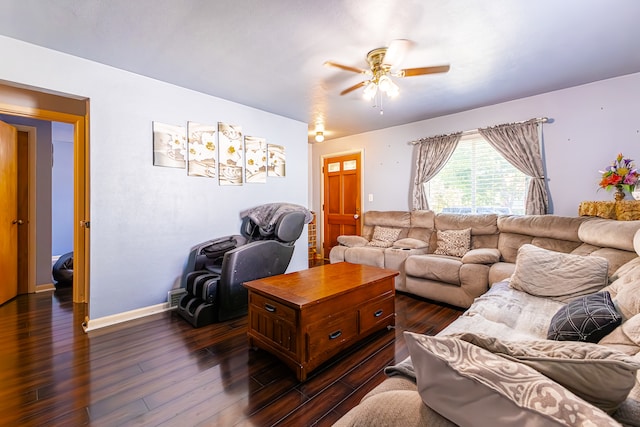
(477, 180)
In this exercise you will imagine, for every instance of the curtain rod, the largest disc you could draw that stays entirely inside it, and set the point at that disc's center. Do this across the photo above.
(472, 131)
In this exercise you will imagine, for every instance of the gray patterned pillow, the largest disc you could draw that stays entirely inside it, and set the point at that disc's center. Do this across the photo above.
(598, 374)
(453, 242)
(589, 319)
(383, 237)
(460, 381)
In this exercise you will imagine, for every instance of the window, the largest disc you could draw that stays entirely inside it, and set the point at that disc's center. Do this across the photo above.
(477, 180)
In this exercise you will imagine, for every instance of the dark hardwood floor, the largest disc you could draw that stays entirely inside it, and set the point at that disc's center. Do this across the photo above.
(161, 371)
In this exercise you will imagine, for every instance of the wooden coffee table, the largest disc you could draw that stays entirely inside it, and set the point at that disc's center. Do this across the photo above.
(307, 317)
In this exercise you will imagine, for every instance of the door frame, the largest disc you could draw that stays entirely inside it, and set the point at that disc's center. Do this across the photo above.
(81, 189)
(320, 220)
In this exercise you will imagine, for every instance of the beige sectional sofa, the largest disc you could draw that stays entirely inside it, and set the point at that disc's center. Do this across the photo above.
(499, 363)
(491, 253)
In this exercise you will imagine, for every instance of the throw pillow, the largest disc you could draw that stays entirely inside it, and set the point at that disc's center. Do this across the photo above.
(383, 237)
(461, 381)
(600, 375)
(453, 242)
(588, 319)
(557, 275)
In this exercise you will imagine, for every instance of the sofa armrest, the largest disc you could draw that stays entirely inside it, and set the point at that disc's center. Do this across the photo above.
(481, 256)
(410, 243)
(352, 241)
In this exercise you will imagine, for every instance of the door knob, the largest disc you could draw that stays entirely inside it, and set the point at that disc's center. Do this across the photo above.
(356, 216)
(17, 221)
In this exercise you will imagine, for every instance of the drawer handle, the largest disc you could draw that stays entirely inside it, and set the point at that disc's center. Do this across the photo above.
(334, 335)
(378, 313)
(270, 308)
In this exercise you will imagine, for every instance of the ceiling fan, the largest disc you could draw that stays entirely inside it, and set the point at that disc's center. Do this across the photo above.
(383, 63)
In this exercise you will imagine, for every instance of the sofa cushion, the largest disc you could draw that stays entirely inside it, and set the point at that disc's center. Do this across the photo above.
(453, 242)
(461, 381)
(481, 256)
(588, 318)
(557, 275)
(610, 234)
(441, 268)
(600, 375)
(352, 241)
(383, 237)
(626, 337)
(628, 300)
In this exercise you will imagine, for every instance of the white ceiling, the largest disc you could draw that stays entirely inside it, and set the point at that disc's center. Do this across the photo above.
(270, 54)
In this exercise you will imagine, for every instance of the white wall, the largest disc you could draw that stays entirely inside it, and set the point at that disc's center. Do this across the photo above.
(144, 219)
(62, 189)
(591, 125)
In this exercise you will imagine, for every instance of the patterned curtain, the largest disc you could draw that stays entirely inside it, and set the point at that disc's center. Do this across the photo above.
(433, 153)
(519, 144)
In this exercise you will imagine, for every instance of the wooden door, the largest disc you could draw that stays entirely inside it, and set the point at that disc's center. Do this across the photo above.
(23, 212)
(341, 198)
(9, 212)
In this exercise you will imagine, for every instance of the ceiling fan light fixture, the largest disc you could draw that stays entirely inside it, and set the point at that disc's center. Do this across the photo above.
(393, 90)
(370, 90)
(385, 83)
(319, 136)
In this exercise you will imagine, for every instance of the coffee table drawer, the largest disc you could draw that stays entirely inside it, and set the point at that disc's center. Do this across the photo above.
(273, 308)
(376, 312)
(329, 334)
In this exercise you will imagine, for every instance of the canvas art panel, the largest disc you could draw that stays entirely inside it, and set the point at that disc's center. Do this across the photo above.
(201, 150)
(276, 160)
(255, 151)
(230, 156)
(169, 145)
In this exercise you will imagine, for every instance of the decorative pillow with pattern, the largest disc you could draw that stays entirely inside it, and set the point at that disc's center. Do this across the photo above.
(598, 374)
(453, 242)
(383, 237)
(589, 318)
(473, 387)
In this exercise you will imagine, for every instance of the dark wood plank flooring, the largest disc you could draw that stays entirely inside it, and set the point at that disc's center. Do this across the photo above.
(159, 371)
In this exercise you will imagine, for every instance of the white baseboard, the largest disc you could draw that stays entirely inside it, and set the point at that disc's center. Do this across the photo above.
(101, 322)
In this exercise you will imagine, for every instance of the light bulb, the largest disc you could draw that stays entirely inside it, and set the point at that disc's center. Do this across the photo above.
(319, 136)
(370, 91)
(385, 83)
(393, 89)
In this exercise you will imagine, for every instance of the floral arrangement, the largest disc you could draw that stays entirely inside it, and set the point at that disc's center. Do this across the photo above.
(621, 175)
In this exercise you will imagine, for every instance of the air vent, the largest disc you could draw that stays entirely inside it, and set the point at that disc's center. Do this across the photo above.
(174, 297)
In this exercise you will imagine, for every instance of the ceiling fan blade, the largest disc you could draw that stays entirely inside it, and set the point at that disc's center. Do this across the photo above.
(354, 87)
(408, 72)
(396, 52)
(345, 67)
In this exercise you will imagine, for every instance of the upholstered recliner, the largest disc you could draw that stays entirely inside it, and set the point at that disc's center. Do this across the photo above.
(216, 269)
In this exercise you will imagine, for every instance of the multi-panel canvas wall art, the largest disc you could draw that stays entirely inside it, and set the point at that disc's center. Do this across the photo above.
(230, 157)
(169, 145)
(255, 151)
(201, 150)
(276, 160)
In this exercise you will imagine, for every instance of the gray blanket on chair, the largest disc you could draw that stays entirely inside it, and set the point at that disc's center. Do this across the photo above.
(266, 216)
(404, 369)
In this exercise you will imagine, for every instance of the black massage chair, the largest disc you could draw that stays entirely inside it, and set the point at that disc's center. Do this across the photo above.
(216, 269)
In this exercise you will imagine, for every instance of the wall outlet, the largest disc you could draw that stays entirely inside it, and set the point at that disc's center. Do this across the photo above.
(371, 197)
